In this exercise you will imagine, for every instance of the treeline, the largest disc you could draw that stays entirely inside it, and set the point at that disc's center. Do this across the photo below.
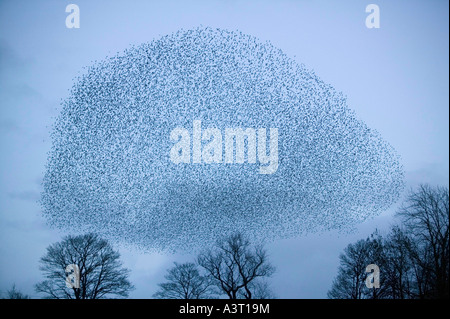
(234, 268)
(88, 267)
(413, 257)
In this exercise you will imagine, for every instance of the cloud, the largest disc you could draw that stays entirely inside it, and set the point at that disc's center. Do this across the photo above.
(432, 173)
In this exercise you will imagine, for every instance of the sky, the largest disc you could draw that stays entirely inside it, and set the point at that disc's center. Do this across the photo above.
(395, 79)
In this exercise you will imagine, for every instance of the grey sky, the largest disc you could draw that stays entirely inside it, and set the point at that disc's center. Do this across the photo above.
(395, 78)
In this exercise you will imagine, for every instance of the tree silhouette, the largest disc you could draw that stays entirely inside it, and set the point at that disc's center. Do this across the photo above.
(101, 274)
(13, 293)
(234, 265)
(184, 282)
(350, 282)
(413, 259)
(260, 289)
(399, 268)
(425, 216)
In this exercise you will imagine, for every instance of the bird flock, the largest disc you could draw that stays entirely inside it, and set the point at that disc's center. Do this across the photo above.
(109, 168)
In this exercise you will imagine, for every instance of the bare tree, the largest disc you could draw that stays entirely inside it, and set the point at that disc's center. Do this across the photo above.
(13, 293)
(234, 264)
(426, 217)
(101, 274)
(350, 283)
(399, 268)
(377, 255)
(260, 290)
(414, 259)
(184, 282)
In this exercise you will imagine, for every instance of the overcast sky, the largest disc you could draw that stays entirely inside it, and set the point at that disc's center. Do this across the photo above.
(395, 77)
